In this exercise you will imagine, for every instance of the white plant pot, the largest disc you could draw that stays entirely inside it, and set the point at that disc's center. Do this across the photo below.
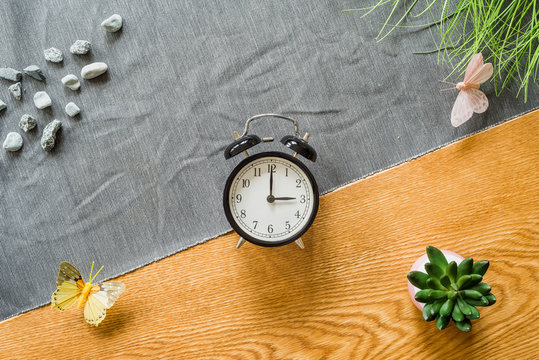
(419, 265)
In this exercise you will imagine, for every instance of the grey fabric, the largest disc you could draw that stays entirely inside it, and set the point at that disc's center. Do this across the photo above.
(139, 175)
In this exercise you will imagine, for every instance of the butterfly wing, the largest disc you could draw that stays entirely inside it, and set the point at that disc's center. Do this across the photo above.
(462, 109)
(481, 75)
(474, 64)
(69, 286)
(478, 101)
(98, 302)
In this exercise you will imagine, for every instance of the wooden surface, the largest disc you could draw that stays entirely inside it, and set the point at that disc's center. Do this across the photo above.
(345, 295)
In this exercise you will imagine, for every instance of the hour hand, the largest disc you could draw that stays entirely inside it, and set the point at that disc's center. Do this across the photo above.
(284, 198)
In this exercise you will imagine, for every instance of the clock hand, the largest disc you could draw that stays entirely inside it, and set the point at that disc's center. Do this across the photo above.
(271, 182)
(284, 198)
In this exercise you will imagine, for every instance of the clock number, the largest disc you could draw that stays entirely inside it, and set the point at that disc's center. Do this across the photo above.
(286, 172)
(255, 224)
(243, 214)
(271, 168)
(238, 198)
(298, 183)
(257, 171)
(302, 199)
(287, 224)
(246, 183)
(270, 228)
(297, 215)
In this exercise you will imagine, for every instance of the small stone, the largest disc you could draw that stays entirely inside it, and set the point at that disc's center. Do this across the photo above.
(42, 100)
(53, 55)
(72, 109)
(27, 122)
(13, 142)
(113, 23)
(80, 47)
(34, 72)
(71, 81)
(16, 90)
(2, 105)
(10, 74)
(93, 70)
(48, 139)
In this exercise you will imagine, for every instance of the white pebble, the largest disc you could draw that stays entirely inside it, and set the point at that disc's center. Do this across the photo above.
(113, 23)
(2, 105)
(93, 70)
(27, 122)
(72, 109)
(16, 90)
(53, 55)
(48, 139)
(71, 81)
(42, 100)
(80, 47)
(13, 142)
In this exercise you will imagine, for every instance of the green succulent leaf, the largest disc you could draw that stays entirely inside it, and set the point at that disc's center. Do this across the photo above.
(445, 281)
(480, 267)
(451, 271)
(475, 313)
(447, 307)
(472, 294)
(464, 325)
(465, 267)
(457, 314)
(467, 281)
(434, 270)
(491, 299)
(427, 314)
(481, 302)
(435, 284)
(442, 321)
(483, 288)
(424, 296)
(464, 307)
(436, 257)
(435, 309)
(418, 279)
(429, 296)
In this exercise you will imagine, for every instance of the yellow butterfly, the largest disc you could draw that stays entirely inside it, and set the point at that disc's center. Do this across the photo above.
(98, 298)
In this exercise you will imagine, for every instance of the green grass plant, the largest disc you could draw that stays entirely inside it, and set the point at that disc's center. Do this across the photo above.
(505, 32)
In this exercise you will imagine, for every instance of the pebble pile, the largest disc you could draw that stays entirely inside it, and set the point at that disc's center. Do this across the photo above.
(13, 140)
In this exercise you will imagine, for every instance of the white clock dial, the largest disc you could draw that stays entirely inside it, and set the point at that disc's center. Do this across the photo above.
(272, 199)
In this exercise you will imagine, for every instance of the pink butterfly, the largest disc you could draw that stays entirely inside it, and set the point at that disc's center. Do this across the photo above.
(470, 99)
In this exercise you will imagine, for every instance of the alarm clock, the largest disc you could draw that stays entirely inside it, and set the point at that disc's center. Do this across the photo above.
(271, 198)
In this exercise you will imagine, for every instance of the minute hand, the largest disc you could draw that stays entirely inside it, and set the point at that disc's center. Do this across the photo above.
(285, 198)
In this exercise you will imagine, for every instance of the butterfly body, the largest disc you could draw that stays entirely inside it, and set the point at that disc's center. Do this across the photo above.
(470, 99)
(466, 86)
(96, 298)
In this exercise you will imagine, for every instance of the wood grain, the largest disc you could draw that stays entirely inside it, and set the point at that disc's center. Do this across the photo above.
(344, 296)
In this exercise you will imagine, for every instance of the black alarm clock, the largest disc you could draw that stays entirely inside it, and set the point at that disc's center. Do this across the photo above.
(271, 198)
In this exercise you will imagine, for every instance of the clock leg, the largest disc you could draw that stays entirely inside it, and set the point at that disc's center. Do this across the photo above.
(241, 241)
(300, 243)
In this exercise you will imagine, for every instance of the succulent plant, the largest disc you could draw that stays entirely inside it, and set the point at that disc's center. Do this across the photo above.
(450, 291)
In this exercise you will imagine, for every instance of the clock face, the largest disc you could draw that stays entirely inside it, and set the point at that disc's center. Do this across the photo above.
(271, 199)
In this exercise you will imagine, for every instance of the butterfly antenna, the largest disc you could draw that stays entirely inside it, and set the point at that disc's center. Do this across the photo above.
(447, 82)
(91, 271)
(101, 268)
(451, 88)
